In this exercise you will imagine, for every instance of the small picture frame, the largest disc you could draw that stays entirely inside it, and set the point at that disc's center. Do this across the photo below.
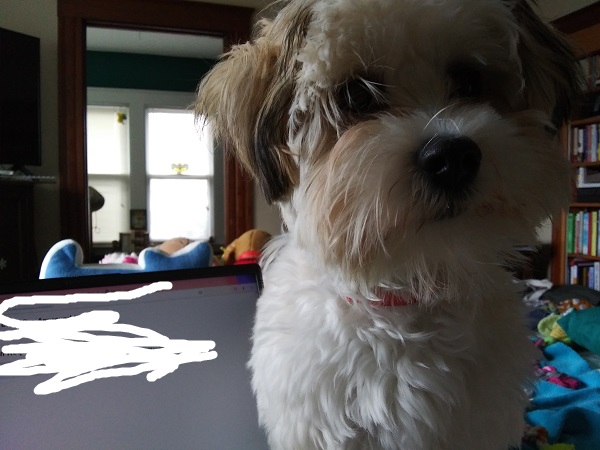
(138, 219)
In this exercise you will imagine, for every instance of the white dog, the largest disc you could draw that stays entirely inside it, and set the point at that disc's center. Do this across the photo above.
(411, 144)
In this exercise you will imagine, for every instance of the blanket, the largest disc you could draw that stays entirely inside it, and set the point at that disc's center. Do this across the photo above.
(570, 415)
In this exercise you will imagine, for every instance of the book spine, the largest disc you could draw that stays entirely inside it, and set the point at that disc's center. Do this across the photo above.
(594, 233)
(585, 233)
(580, 176)
(588, 144)
(593, 143)
(580, 152)
(571, 232)
(578, 232)
(598, 139)
(574, 144)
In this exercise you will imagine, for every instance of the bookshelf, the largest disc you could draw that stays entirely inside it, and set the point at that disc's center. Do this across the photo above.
(576, 231)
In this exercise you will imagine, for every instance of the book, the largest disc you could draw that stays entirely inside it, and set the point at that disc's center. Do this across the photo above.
(577, 235)
(580, 144)
(593, 244)
(585, 233)
(571, 232)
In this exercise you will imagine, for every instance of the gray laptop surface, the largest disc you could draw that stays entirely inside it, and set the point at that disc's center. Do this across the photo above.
(82, 380)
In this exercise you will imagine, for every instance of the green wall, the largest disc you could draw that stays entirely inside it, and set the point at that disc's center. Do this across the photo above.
(136, 71)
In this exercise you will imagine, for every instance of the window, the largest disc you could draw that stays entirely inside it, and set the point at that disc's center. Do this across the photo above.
(157, 158)
(180, 175)
(108, 169)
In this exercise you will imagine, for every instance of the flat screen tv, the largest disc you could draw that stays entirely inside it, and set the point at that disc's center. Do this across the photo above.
(20, 140)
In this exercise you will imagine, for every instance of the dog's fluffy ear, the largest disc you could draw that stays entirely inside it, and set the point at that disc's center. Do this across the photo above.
(246, 97)
(550, 70)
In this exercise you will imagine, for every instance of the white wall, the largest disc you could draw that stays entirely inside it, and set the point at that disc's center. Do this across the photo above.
(552, 9)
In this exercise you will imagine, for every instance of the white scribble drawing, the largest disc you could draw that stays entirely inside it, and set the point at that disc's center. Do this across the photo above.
(91, 345)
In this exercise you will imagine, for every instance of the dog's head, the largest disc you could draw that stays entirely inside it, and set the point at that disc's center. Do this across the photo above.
(413, 133)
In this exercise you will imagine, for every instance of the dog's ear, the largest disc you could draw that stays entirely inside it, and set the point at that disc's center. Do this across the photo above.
(246, 97)
(550, 69)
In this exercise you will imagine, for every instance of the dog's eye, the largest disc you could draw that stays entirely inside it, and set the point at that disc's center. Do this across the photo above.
(466, 82)
(361, 96)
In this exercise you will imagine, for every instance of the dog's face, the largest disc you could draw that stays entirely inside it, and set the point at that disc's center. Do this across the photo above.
(407, 141)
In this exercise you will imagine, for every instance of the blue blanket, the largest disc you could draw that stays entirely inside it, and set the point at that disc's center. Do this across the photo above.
(570, 415)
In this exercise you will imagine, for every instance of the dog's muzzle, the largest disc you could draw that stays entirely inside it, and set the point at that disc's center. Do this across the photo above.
(449, 163)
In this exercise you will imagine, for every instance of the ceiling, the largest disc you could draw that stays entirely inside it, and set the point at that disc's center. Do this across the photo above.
(153, 43)
(210, 47)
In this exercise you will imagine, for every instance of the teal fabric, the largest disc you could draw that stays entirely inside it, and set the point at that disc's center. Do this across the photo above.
(570, 415)
(583, 327)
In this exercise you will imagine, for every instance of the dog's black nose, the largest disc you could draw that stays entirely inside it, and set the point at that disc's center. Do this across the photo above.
(450, 162)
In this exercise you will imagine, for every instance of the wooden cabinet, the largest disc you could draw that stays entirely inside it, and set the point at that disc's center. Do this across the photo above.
(575, 249)
(17, 250)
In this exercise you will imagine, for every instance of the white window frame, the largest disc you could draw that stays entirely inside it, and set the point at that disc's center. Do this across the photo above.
(138, 101)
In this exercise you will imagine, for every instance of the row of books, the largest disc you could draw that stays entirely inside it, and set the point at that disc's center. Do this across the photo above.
(582, 233)
(585, 143)
(591, 71)
(585, 273)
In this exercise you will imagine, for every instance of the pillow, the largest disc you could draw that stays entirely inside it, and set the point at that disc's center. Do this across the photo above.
(65, 259)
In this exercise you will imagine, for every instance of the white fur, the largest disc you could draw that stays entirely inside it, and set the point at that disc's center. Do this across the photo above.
(332, 368)
(335, 375)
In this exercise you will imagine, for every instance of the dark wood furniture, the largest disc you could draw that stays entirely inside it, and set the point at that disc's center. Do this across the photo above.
(17, 250)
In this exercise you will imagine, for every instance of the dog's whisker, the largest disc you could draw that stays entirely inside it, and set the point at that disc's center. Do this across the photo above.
(435, 116)
(456, 126)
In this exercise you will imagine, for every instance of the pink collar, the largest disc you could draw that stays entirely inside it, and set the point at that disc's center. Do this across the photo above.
(390, 298)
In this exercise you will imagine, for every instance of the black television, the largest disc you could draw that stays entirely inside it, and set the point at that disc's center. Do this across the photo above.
(20, 133)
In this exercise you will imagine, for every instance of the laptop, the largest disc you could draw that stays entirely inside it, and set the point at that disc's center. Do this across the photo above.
(149, 361)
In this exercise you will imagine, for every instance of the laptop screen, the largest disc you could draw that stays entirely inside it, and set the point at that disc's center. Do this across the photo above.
(153, 360)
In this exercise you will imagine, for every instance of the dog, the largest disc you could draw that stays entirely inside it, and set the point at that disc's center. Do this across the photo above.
(410, 145)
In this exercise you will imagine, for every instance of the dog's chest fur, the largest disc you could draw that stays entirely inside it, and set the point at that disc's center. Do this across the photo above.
(346, 375)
